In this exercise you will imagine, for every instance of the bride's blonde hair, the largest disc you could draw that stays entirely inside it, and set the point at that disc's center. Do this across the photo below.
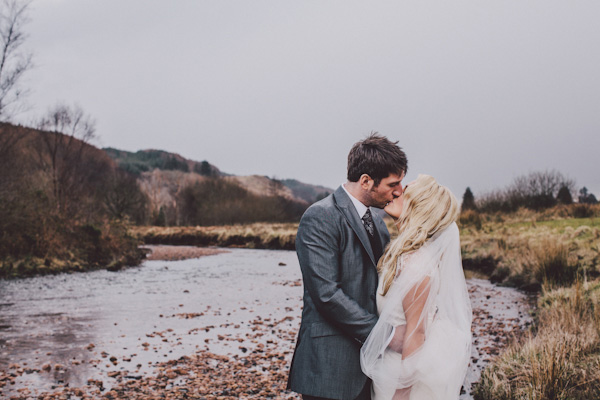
(428, 208)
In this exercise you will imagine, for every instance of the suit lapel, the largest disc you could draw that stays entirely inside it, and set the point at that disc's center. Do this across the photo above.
(344, 204)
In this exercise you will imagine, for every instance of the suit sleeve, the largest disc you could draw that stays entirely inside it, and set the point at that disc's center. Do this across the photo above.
(318, 247)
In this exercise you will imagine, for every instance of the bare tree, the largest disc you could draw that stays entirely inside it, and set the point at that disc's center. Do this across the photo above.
(14, 61)
(540, 186)
(124, 198)
(536, 190)
(62, 151)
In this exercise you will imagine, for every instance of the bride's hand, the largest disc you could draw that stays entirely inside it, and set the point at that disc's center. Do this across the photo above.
(397, 341)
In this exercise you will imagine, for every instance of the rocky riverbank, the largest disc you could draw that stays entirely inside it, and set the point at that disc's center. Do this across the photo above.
(218, 327)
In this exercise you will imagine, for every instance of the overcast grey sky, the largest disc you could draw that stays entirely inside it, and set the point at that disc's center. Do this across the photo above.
(476, 92)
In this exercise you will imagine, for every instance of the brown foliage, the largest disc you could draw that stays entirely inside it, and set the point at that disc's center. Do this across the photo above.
(217, 201)
(52, 216)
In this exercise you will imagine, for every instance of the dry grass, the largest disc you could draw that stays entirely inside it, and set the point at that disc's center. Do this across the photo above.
(257, 236)
(552, 266)
(525, 251)
(557, 255)
(558, 361)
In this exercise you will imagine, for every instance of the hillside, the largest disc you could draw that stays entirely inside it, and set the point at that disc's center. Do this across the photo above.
(181, 191)
(63, 204)
(306, 192)
(148, 160)
(66, 205)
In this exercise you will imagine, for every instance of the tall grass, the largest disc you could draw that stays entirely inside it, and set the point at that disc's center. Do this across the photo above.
(558, 361)
(527, 249)
(552, 265)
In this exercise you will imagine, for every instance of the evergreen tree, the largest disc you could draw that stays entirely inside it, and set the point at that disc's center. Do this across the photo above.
(468, 202)
(564, 196)
(204, 169)
(586, 198)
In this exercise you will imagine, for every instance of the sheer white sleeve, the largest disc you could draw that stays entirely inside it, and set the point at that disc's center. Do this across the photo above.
(430, 353)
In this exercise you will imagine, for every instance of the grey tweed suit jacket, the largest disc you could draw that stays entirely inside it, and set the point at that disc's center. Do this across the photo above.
(340, 280)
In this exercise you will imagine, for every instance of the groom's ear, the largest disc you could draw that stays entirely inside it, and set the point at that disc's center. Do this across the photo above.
(366, 182)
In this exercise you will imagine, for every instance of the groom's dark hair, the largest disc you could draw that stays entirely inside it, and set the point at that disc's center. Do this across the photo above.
(377, 157)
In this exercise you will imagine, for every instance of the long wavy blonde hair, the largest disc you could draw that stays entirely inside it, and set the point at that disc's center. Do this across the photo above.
(428, 208)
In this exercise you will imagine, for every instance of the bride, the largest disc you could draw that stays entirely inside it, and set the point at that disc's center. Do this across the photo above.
(421, 344)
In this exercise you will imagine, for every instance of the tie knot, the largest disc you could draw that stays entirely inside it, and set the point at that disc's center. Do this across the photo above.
(368, 222)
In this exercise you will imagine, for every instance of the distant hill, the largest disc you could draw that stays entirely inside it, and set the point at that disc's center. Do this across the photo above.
(162, 175)
(306, 192)
(148, 160)
(265, 186)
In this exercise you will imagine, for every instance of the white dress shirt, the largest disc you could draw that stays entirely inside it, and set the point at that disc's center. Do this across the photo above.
(361, 209)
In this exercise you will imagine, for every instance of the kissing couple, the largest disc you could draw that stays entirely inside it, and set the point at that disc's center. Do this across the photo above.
(382, 319)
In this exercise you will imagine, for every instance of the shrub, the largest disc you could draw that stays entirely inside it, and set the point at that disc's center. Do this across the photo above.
(552, 266)
(582, 211)
(470, 218)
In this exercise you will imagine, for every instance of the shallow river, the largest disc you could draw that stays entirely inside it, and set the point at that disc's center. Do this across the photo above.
(67, 329)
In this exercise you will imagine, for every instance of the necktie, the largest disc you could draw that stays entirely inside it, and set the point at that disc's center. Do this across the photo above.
(367, 220)
(370, 227)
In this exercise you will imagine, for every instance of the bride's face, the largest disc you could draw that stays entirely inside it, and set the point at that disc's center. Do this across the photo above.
(394, 207)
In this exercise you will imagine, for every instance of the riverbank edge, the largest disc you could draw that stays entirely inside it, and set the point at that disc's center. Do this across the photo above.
(253, 236)
(29, 267)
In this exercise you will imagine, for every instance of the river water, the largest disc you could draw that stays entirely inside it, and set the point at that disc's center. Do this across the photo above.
(66, 330)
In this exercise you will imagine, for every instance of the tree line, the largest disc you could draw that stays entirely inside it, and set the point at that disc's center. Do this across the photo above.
(535, 191)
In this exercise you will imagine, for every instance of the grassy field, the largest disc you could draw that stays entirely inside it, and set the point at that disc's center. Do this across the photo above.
(557, 257)
(527, 252)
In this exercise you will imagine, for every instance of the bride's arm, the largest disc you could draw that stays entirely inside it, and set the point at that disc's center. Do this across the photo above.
(412, 334)
(414, 303)
(410, 337)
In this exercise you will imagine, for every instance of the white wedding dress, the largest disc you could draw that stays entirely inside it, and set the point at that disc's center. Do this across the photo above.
(437, 368)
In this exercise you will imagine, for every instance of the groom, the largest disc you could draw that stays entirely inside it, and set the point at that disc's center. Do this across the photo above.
(339, 242)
